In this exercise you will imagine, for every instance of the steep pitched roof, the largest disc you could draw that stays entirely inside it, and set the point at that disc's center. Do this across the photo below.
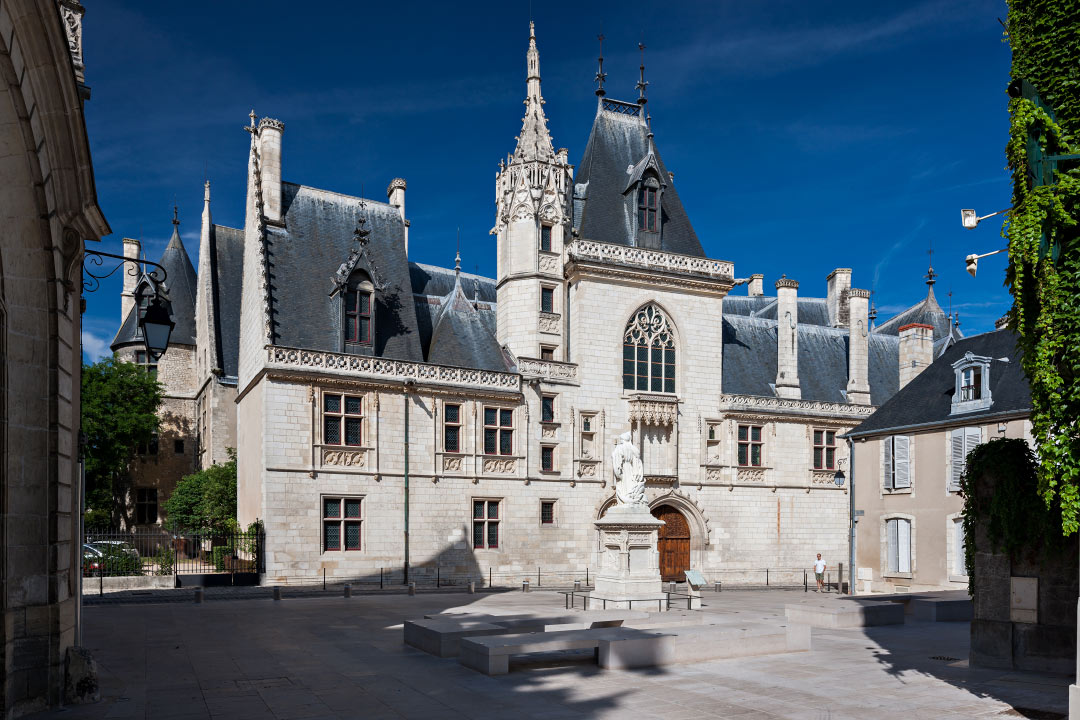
(749, 361)
(181, 282)
(226, 266)
(306, 254)
(926, 312)
(460, 336)
(439, 281)
(602, 211)
(927, 399)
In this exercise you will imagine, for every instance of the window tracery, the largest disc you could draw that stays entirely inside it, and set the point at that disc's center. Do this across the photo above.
(649, 352)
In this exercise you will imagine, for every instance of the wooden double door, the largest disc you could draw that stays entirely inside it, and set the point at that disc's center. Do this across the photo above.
(674, 544)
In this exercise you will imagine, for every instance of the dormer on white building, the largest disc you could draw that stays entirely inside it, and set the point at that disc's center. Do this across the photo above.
(972, 391)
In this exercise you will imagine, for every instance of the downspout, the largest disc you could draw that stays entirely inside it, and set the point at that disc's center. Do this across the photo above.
(408, 386)
(852, 521)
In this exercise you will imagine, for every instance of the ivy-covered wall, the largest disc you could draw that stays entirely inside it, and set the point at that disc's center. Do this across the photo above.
(1045, 39)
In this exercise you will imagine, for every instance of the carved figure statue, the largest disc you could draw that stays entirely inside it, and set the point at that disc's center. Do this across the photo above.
(629, 473)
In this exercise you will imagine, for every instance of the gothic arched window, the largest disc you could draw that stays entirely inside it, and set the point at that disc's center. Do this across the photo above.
(359, 310)
(648, 206)
(649, 352)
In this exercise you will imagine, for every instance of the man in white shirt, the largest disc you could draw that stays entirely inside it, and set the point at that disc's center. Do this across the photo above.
(819, 573)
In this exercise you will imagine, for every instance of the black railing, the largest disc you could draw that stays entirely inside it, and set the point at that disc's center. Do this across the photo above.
(127, 554)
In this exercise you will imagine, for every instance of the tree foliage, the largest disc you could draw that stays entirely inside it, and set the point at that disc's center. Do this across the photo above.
(1045, 40)
(205, 501)
(119, 411)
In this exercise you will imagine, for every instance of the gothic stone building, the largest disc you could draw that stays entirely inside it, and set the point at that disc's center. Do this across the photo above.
(387, 411)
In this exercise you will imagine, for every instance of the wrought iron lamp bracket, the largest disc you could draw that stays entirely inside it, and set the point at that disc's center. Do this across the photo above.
(94, 259)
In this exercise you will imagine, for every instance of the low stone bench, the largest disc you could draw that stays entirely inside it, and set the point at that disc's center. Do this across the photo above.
(845, 614)
(491, 655)
(942, 609)
(700, 643)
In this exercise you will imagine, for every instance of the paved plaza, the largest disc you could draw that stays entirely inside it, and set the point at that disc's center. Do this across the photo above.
(242, 655)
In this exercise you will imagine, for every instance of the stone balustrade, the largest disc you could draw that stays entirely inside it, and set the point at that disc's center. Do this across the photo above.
(650, 259)
(548, 370)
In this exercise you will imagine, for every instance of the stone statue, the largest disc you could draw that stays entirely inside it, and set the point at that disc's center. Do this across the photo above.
(629, 474)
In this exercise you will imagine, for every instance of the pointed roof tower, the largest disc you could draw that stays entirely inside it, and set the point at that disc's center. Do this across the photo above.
(459, 336)
(926, 312)
(534, 142)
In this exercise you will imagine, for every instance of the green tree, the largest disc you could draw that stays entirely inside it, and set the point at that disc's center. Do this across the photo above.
(1043, 235)
(119, 411)
(206, 500)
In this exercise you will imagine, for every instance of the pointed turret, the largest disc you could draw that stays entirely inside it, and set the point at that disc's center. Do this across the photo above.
(534, 142)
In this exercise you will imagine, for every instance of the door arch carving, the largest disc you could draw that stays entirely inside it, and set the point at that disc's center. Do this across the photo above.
(673, 544)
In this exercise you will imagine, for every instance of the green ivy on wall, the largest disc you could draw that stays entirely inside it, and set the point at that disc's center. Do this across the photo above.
(1045, 40)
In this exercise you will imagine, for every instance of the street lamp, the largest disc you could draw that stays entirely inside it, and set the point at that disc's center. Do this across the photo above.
(839, 477)
(970, 220)
(155, 320)
(157, 325)
(973, 260)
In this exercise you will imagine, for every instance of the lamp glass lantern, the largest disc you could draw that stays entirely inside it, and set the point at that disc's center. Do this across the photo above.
(839, 478)
(157, 325)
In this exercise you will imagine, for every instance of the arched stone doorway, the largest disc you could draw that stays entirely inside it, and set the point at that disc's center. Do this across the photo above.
(674, 543)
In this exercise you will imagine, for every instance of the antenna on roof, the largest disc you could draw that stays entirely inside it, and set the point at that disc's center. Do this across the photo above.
(601, 76)
(642, 83)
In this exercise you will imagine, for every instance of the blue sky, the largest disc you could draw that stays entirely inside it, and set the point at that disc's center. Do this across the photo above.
(803, 136)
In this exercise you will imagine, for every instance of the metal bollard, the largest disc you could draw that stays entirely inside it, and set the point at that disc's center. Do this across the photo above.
(525, 585)
(577, 586)
(716, 586)
(277, 592)
(198, 595)
(671, 587)
(412, 588)
(348, 590)
(472, 587)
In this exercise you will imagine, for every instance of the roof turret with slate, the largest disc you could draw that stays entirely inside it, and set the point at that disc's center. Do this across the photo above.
(926, 312)
(461, 335)
(926, 401)
(181, 283)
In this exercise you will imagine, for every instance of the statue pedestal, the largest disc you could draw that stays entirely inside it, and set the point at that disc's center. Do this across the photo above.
(628, 562)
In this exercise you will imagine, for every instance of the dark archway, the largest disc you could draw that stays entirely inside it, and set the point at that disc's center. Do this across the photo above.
(674, 544)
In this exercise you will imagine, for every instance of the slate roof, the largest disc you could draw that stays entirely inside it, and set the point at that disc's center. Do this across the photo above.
(749, 361)
(927, 399)
(926, 312)
(226, 267)
(602, 212)
(305, 255)
(461, 337)
(439, 281)
(182, 282)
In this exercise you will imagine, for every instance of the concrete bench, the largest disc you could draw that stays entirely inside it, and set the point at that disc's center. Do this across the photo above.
(942, 609)
(491, 655)
(688, 644)
(843, 614)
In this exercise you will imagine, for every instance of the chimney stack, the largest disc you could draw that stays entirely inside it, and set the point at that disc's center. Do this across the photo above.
(916, 350)
(839, 283)
(787, 339)
(755, 288)
(858, 387)
(127, 296)
(395, 195)
(270, 131)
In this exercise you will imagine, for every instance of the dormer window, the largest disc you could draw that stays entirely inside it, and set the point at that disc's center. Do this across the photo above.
(359, 312)
(972, 391)
(648, 206)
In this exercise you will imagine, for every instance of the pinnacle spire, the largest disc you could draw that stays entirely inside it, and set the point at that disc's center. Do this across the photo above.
(642, 83)
(601, 76)
(534, 142)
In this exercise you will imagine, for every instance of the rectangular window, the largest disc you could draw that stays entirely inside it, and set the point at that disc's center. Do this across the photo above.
(898, 532)
(971, 383)
(342, 519)
(547, 299)
(545, 238)
(485, 524)
(178, 447)
(547, 353)
(750, 445)
(647, 209)
(498, 431)
(150, 447)
(547, 408)
(358, 317)
(343, 420)
(547, 512)
(962, 442)
(896, 462)
(451, 428)
(146, 362)
(824, 449)
(146, 510)
(547, 458)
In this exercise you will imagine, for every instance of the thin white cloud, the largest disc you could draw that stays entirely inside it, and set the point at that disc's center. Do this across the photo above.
(94, 348)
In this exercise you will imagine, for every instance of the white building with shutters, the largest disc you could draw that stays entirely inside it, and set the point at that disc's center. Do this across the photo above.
(909, 458)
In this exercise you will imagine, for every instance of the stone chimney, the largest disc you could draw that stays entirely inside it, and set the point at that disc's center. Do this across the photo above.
(127, 296)
(755, 288)
(270, 131)
(839, 282)
(916, 350)
(395, 195)
(858, 387)
(787, 339)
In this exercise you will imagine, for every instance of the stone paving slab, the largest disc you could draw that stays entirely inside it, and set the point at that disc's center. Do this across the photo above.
(333, 657)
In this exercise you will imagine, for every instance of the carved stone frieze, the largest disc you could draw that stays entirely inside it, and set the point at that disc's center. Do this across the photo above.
(773, 405)
(549, 264)
(451, 463)
(650, 259)
(500, 466)
(823, 477)
(344, 458)
(654, 410)
(664, 480)
(549, 431)
(587, 469)
(714, 474)
(550, 323)
(548, 370)
(753, 475)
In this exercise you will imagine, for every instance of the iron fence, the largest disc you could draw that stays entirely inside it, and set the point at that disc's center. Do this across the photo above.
(143, 552)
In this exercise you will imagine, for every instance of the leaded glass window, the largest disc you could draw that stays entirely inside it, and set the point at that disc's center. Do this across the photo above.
(498, 431)
(342, 521)
(649, 352)
(343, 420)
(451, 428)
(485, 523)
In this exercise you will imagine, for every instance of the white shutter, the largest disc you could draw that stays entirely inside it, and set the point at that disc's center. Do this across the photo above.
(972, 438)
(890, 532)
(887, 464)
(961, 560)
(903, 545)
(957, 459)
(901, 462)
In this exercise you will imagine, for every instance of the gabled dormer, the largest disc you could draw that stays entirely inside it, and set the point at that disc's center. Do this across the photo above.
(972, 391)
(355, 285)
(644, 192)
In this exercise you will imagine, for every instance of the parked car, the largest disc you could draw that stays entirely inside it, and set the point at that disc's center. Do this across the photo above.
(111, 558)
(92, 560)
(111, 547)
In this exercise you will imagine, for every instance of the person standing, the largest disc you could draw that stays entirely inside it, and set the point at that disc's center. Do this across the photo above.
(819, 573)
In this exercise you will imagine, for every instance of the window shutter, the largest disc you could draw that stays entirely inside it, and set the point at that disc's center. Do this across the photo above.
(903, 544)
(972, 438)
(902, 462)
(957, 459)
(890, 532)
(887, 464)
(961, 561)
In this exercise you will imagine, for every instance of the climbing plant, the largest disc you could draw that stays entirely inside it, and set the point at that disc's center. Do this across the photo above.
(1043, 237)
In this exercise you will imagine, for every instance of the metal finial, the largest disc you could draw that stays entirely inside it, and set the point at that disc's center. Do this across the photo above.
(642, 83)
(930, 275)
(457, 259)
(601, 76)
(175, 218)
(361, 233)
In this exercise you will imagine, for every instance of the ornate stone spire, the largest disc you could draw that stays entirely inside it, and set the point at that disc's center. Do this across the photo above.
(534, 142)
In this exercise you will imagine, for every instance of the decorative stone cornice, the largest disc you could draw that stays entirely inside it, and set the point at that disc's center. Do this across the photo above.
(271, 123)
(785, 407)
(786, 282)
(395, 184)
(374, 368)
(548, 370)
(858, 292)
(654, 260)
(71, 13)
(653, 409)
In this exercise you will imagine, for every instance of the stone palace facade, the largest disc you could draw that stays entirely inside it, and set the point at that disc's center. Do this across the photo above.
(386, 411)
